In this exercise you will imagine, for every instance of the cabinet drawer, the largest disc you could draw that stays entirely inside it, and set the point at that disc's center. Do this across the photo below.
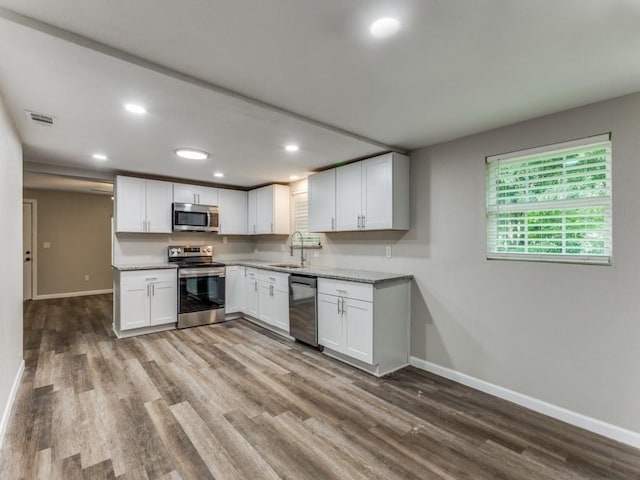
(281, 279)
(129, 277)
(340, 288)
(251, 273)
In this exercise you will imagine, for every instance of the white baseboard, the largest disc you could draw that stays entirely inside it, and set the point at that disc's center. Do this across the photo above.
(588, 423)
(4, 421)
(73, 294)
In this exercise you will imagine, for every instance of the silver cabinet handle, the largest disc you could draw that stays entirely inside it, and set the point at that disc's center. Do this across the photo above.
(342, 306)
(254, 229)
(358, 221)
(255, 286)
(338, 304)
(363, 222)
(148, 225)
(148, 288)
(272, 228)
(153, 289)
(271, 290)
(333, 224)
(344, 292)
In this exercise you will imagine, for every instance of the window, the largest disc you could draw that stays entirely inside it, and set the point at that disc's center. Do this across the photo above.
(551, 203)
(301, 221)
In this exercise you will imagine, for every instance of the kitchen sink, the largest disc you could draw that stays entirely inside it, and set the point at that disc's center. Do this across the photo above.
(285, 265)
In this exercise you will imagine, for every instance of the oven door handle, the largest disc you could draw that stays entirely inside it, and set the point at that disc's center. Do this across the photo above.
(200, 273)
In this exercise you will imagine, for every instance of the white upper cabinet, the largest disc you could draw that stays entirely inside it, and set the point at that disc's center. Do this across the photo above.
(322, 201)
(233, 212)
(183, 193)
(268, 210)
(371, 194)
(349, 197)
(142, 205)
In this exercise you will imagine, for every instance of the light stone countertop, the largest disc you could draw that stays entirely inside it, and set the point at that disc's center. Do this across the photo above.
(146, 266)
(350, 275)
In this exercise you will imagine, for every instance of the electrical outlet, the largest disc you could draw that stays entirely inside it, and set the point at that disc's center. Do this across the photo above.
(225, 240)
(86, 278)
(46, 245)
(388, 251)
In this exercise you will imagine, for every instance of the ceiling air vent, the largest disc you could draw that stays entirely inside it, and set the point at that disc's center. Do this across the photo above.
(40, 118)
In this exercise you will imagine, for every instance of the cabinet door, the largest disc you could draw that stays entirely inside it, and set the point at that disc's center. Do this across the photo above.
(358, 329)
(281, 308)
(252, 299)
(377, 192)
(267, 302)
(233, 289)
(164, 302)
(134, 305)
(264, 209)
(233, 212)
(322, 201)
(348, 196)
(252, 212)
(158, 198)
(208, 196)
(329, 322)
(183, 193)
(130, 204)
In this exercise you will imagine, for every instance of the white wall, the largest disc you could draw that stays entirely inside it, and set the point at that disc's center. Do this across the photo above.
(565, 334)
(11, 274)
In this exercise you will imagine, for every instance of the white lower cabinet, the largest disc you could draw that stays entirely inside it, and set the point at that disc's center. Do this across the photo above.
(145, 299)
(251, 294)
(233, 289)
(274, 298)
(365, 325)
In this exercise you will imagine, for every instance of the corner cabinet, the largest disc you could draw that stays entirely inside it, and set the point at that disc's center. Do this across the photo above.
(144, 301)
(365, 325)
(372, 194)
(268, 210)
(142, 206)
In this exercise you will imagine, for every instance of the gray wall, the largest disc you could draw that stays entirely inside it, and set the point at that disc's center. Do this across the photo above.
(78, 228)
(11, 246)
(565, 334)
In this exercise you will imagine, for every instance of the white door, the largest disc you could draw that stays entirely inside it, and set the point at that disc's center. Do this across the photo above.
(322, 201)
(183, 193)
(27, 251)
(329, 322)
(158, 198)
(377, 192)
(130, 204)
(251, 212)
(349, 197)
(264, 209)
(233, 212)
(251, 298)
(208, 196)
(164, 302)
(281, 307)
(233, 289)
(358, 329)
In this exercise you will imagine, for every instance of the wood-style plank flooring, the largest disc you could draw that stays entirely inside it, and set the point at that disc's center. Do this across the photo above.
(234, 401)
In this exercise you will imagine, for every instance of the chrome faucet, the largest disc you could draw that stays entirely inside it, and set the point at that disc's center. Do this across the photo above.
(301, 246)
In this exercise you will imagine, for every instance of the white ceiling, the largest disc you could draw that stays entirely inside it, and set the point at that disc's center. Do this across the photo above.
(455, 68)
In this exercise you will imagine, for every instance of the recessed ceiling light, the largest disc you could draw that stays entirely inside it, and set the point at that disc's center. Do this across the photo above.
(100, 156)
(384, 27)
(133, 108)
(294, 177)
(191, 154)
(218, 174)
(292, 148)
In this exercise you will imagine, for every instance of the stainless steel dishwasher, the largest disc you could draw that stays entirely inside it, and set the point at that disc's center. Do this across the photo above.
(303, 310)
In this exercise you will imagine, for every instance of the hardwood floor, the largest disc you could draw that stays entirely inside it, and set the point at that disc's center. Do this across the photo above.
(233, 401)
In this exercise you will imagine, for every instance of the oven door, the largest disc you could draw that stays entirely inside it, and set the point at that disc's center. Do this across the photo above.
(201, 296)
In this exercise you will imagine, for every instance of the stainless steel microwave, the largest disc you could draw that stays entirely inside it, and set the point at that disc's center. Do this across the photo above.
(188, 217)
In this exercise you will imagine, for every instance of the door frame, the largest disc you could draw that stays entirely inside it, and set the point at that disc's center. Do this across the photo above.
(34, 246)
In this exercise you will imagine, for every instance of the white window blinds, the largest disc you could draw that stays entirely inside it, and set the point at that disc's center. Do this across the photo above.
(551, 203)
(301, 221)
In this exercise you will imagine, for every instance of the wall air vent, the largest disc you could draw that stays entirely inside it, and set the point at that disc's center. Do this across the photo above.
(40, 118)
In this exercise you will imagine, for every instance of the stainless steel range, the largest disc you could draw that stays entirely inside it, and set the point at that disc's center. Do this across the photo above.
(201, 284)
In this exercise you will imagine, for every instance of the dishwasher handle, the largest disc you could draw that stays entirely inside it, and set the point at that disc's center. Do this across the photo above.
(300, 280)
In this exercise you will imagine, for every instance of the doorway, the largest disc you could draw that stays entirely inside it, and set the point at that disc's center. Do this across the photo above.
(29, 230)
